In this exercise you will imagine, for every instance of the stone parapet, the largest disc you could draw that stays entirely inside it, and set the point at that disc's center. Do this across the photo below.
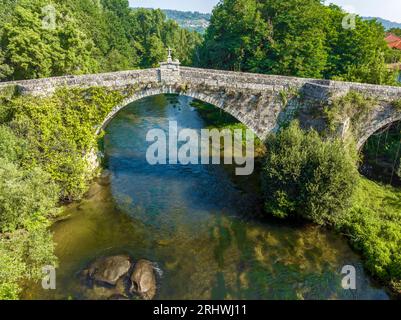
(257, 100)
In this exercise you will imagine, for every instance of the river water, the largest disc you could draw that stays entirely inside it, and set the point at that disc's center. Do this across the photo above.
(199, 223)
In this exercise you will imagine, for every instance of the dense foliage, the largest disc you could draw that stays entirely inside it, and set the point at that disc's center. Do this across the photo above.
(59, 131)
(305, 176)
(43, 146)
(39, 38)
(27, 197)
(295, 37)
(374, 226)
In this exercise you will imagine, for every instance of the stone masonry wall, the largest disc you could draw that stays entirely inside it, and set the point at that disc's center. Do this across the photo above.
(254, 99)
(113, 80)
(312, 87)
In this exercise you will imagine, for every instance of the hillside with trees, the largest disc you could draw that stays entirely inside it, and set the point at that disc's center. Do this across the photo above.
(85, 36)
(194, 21)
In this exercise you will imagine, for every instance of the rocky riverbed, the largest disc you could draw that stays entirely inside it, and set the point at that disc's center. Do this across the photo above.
(119, 278)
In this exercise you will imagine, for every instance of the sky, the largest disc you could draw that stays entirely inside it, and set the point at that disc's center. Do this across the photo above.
(387, 9)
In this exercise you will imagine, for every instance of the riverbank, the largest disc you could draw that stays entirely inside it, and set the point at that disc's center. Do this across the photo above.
(373, 226)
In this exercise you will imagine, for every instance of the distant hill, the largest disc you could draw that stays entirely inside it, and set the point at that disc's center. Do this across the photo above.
(387, 24)
(200, 21)
(190, 20)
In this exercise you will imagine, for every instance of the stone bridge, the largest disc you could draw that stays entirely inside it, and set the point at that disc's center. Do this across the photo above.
(262, 102)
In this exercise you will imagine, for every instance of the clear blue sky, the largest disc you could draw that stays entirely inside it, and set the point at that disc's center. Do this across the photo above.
(387, 9)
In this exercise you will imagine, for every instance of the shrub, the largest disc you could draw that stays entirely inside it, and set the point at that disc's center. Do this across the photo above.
(27, 199)
(23, 253)
(24, 196)
(397, 104)
(11, 148)
(305, 176)
(354, 106)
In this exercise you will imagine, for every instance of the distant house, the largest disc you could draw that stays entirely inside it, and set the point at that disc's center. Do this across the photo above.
(393, 41)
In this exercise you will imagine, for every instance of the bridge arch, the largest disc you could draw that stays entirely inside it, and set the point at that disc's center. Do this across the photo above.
(216, 100)
(379, 121)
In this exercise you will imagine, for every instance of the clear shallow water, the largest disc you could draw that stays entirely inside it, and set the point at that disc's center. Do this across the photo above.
(197, 223)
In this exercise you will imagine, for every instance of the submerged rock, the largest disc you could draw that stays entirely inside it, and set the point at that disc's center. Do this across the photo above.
(107, 292)
(144, 280)
(109, 269)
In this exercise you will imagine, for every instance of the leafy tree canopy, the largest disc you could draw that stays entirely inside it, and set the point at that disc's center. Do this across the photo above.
(295, 37)
(41, 38)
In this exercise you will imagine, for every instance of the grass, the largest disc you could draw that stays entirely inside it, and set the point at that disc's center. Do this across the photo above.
(373, 225)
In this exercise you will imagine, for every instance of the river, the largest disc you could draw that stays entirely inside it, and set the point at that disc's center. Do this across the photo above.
(199, 223)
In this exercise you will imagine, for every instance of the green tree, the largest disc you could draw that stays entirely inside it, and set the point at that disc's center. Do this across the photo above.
(238, 38)
(35, 51)
(88, 36)
(395, 31)
(27, 198)
(12, 148)
(305, 176)
(295, 37)
(184, 42)
(357, 54)
(298, 37)
(5, 69)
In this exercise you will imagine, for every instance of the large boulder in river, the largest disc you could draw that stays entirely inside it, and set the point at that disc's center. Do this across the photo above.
(144, 280)
(109, 269)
